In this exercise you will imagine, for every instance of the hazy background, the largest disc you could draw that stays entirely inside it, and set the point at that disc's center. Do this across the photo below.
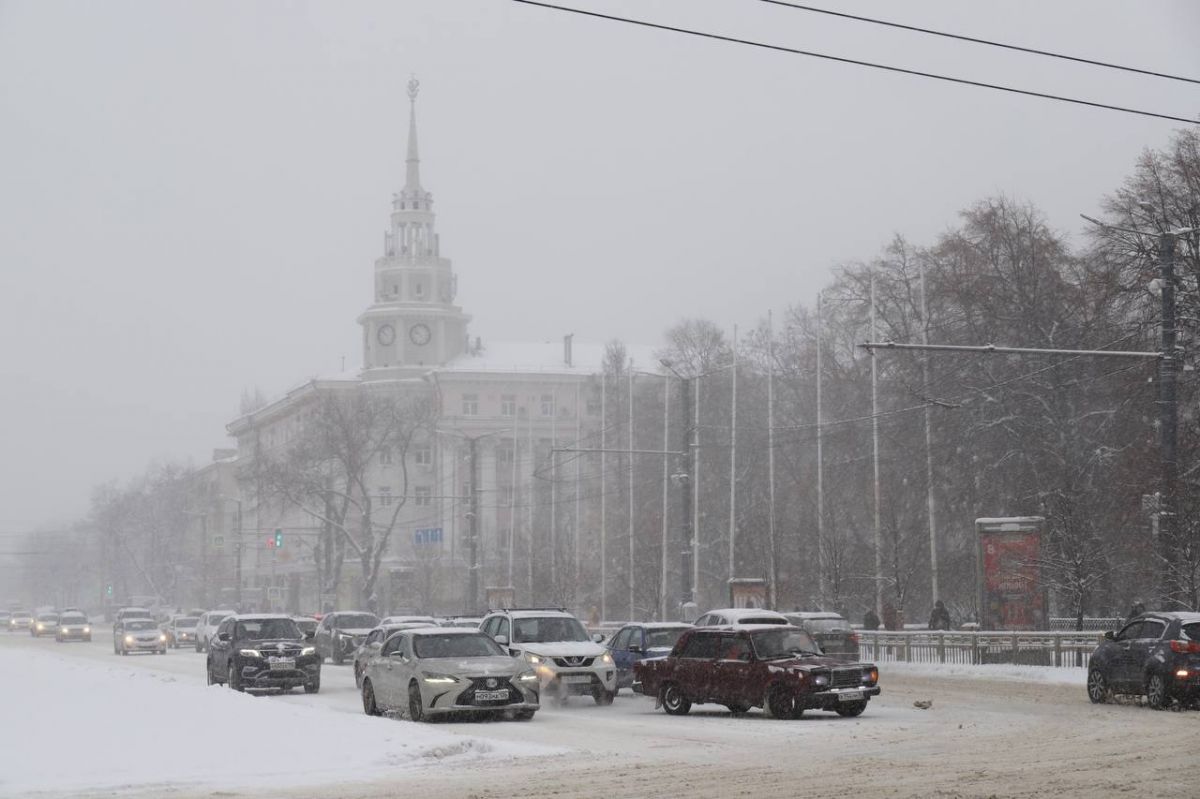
(192, 194)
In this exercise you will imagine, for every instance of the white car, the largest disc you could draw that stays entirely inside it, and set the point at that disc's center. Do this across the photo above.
(408, 620)
(140, 635)
(207, 626)
(556, 645)
(740, 617)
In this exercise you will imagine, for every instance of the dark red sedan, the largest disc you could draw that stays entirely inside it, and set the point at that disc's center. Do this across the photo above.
(777, 668)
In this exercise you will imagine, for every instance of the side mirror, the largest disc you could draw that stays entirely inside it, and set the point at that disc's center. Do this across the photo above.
(501, 639)
(1108, 635)
(222, 636)
(311, 634)
(598, 638)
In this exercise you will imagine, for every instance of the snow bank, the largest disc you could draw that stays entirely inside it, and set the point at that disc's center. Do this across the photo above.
(1046, 675)
(74, 725)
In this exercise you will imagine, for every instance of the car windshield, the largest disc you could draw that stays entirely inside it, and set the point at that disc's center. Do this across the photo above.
(770, 644)
(73, 620)
(267, 629)
(306, 625)
(48, 617)
(1191, 631)
(548, 628)
(823, 625)
(455, 646)
(356, 621)
(140, 624)
(186, 622)
(216, 618)
(663, 639)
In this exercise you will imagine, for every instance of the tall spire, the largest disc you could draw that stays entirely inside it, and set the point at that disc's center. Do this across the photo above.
(412, 178)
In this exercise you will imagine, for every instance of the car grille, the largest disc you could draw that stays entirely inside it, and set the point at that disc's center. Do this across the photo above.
(846, 678)
(573, 663)
(288, 651)
(467, 697)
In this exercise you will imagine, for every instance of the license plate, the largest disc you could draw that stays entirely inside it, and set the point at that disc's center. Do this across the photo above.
(850, 696)
(576, 678)
(283, 664)
(490, 696)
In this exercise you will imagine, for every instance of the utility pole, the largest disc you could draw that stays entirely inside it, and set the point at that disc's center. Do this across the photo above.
(632, 610)
(238, 563)
(666, 483)
(686, 480)
(933, 562)
(603, 497)
(733, 465)
(1169, 420)
(875, 459)
(695, 448)
(821, 585)
(473, 535)
(771, 566)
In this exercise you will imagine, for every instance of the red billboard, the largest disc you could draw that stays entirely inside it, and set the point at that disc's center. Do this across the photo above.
(1012, 596)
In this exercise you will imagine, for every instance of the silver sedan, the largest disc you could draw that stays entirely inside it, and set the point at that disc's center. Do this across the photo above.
(435, 671)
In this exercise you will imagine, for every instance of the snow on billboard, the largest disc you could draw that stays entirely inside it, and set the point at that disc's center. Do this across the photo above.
(1012, 596)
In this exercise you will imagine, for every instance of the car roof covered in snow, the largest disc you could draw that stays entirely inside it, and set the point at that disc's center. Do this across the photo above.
(814, 614)
(441, 631)
(534, 613)
(260, 616)
(736, 614)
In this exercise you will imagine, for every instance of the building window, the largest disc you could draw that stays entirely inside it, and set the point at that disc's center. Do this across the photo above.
(470, 404)
(385, 456)
(385, 496)
(547, 405)
(508, 404)
(423, 456)
(504, 456)
(466, 489)
(420, 291)
(422, 496)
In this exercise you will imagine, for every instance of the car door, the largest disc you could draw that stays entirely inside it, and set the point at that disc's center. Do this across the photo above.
(391, 686)
(504, 633)
(1123, 670)
(730, 682)
(694, 670)
(1141, 648)
(618, 648)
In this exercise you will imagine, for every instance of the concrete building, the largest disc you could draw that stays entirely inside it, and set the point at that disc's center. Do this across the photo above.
(524, 528)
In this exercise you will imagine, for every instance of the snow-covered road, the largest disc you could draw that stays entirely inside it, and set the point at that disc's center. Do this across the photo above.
(995, 735)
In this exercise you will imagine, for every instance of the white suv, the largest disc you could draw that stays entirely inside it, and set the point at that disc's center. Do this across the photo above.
(207, 626)
(558, 648)
(740, 617)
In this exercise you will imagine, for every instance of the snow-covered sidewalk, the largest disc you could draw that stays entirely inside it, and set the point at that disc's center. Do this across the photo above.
(74, 725)
(1046, 675)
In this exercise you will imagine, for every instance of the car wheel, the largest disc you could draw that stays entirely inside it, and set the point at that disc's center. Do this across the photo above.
(851, 709)
(312, 687)
(1097, 687)
(235, 680)
(416, 705)
(370, 706)
(738, 708)
(603, 697)
(337, 657)
(780, 703)
(1157, 695)
(358, 678)
(523, 715)
(674, 701)
(197, 645)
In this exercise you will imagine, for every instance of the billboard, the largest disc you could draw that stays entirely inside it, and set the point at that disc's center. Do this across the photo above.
(1012, 595)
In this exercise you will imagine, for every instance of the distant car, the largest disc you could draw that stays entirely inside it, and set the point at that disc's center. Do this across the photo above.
(1155, 654)
(740, 617)
(44, 624)
(132, 612)
(21, 620)
(832, 632)
(374, 641)
(5, 618)
(73, 626)
(181, 631)
(408, 620)
(262, 651)
(206, 627)
(777, 668)
(567, 660)
(433, 671)
(138, 635)
(466, 622)
(307, 624)
(340, 634)
(635, 642)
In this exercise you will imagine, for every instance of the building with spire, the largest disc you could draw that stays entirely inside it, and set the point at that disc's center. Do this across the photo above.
(478, 504)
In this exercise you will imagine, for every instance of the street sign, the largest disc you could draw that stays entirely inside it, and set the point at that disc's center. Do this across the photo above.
(427, 535)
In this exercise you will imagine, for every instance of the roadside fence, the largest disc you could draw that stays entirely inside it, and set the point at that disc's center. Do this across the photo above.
(1063, 649)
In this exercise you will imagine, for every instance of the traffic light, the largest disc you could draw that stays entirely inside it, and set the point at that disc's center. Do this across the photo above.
(278, 538)
(108, 590)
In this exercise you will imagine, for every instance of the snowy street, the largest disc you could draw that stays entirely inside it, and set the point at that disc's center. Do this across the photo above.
(85, 733)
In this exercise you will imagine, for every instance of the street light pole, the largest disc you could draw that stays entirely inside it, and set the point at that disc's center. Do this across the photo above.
(473, 542)
(1168, 403)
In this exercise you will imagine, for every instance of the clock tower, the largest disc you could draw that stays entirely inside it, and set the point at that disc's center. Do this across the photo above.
(413, 324)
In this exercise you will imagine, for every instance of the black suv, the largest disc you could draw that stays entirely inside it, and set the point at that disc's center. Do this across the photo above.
(1156, 654)
(262, 651)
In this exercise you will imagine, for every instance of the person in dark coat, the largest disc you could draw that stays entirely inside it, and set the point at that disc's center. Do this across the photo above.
(939, 619)
(1137, 610)
(870, 620)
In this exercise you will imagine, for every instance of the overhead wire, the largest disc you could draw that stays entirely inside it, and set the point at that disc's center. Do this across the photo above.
(857, 62)
(977, 40)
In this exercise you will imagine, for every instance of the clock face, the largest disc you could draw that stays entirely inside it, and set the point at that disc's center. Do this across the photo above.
(420, 334)
(386, 335)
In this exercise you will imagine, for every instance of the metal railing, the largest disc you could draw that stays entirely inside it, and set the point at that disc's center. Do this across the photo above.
(1062, 649)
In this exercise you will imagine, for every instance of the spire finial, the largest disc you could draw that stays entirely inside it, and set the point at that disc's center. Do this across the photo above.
(414, 86)
(412, 181)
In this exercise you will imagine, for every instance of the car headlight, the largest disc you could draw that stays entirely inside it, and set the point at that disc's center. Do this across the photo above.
(308, 650)
(162, 637)
(820, 679)
(527, 676)
(870, 676)
(250, 653)
(606, 659)
(63, 630)
(87, 629)
(41, 627)
(536, 659)
(129, 639)
(439, 679)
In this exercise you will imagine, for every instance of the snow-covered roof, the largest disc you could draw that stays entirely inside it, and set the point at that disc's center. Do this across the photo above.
(260, 616)
(535, 614)
(814, 614)
(735, 614)
(546, 357)
(441, 631)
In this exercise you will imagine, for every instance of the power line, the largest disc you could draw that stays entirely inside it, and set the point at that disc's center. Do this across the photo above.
(988, 42)
(857, 62)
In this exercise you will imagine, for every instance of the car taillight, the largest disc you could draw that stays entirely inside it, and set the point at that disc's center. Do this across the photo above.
(854, 637)
(1186, 647)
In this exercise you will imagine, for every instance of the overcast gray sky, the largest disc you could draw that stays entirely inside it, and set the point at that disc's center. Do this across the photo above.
(192, 194)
